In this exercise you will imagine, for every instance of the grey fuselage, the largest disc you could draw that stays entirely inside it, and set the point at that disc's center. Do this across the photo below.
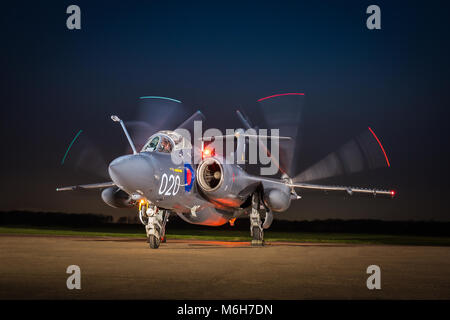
(155, 177)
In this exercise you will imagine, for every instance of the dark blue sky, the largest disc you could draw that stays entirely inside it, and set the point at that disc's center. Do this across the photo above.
(219, 56)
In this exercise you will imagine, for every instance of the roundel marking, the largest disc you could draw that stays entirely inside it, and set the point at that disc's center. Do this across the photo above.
(189, 177)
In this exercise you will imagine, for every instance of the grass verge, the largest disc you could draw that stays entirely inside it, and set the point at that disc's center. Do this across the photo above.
(235, 235)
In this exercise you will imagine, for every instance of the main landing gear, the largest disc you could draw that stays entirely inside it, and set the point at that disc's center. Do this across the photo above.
(256, 225)
(155, 220)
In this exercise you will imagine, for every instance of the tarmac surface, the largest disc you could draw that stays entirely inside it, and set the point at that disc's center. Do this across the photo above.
(34, 267)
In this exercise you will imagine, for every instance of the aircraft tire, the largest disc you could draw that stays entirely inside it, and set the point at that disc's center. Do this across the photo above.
(256, 233)
(257, 237)
(153, 242)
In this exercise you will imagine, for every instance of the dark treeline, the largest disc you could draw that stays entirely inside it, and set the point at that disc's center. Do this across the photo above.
(428, 228)
(55, 219)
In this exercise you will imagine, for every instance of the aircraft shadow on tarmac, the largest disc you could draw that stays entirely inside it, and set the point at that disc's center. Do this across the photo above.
(214, 244)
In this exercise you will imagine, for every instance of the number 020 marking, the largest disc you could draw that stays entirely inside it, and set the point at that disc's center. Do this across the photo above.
(170, 185)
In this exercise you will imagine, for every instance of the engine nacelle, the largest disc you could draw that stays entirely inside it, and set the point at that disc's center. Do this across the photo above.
(230, 186)
(277, 200)
(117, 198)
(210, 175)
(224, 184)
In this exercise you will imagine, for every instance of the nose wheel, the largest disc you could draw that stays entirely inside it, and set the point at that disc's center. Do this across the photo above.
(155, 220)
(154, 241)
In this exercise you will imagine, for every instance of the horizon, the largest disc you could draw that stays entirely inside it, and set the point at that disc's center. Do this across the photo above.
(116, 218)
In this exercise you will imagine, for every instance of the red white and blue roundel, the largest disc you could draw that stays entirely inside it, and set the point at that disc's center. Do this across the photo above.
(189, 177)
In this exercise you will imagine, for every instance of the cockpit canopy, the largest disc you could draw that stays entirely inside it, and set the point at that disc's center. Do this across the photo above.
(166, 141)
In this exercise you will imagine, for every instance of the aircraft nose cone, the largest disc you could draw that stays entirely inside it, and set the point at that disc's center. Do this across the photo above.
(132, 172)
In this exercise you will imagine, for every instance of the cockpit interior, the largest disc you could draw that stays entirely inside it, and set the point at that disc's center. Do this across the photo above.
(166, 142)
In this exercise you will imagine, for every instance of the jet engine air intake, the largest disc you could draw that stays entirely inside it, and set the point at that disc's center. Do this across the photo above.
(210, 175)
(117, 198)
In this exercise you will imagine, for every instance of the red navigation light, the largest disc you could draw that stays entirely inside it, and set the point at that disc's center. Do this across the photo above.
(206, 153)
(392, 193)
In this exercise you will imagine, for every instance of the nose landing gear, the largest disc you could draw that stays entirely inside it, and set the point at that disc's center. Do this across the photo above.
(155, 220)
(256, 225)
(256, 230)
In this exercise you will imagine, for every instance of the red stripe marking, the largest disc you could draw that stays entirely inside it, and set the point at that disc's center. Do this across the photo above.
(188, 176)
(381, 146)
(281, 94)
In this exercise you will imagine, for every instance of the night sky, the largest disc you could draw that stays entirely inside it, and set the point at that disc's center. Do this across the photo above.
(219, 56)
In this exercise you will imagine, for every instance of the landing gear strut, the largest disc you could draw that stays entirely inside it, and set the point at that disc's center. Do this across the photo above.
(256, 229)
(155, 220)
(165, 218)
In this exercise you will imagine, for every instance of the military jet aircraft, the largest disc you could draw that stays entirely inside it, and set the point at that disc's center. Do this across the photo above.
(162, 178)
